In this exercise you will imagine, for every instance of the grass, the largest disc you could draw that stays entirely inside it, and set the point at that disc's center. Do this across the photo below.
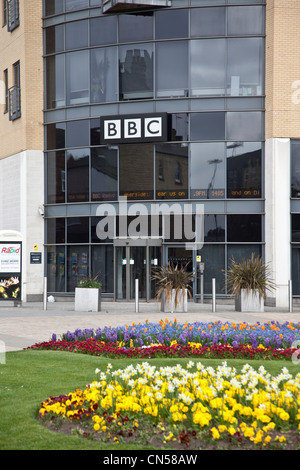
(29, 377)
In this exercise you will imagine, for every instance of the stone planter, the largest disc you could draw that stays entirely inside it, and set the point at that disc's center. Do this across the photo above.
(168, 303)
(249, 302)
(87, 299)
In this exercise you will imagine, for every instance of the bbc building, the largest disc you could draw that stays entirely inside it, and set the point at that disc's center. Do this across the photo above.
(122, 107)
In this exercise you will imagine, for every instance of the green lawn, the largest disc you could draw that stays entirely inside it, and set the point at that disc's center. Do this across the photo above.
(30, 377)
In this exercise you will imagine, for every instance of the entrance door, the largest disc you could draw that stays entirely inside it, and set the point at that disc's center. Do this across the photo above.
(135, 262)
(178, 255)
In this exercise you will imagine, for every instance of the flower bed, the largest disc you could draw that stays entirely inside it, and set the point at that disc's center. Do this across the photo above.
(193, 407)
(271, 340)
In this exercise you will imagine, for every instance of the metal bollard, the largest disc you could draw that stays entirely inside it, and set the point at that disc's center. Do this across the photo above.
(290, 297)
(213, 295)
(136, 295)
(45, 293)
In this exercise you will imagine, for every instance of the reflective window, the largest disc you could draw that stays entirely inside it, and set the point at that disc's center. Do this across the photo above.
(171, 24)
(56, 136)
(296, 228)
(208, 22)
(296, 270)
(244, 160)
(78, 78)
(95, 132)
(245, 66)
(53, 7)
(56, 230)
(295, 170)
(56, 177)
(103, 266)
(244, 228)
(136, 27)
(55, 78)
(208, 126)
(76, 34)
(172, 75)
(180, 126)
(56, 274)
(78, 175)
(136, 71)
(207, 174)
(103, 30)
(55, 39)
(213, 257)
(76, 4)
(240, 252)
(77, 265)
(78, 133)
(171, 166)
(244, 126)
(77, 229)
(214, 228)
(136, 171)
(104, 75)
(208, 57)
(104, 177)
(245, 20)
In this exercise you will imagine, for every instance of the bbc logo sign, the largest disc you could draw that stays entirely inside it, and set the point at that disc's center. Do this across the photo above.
(133, 128)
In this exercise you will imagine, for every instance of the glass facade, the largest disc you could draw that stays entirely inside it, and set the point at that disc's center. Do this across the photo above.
(203, 64)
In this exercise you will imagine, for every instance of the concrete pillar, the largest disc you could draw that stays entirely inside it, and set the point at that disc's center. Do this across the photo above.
(277, 216)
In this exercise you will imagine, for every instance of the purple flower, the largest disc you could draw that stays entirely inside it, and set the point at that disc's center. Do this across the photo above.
(235, 344)
(54, 338)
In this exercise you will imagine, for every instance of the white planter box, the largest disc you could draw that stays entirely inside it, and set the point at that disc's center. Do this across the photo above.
(168, 305)
(249, 302)
(87, 299)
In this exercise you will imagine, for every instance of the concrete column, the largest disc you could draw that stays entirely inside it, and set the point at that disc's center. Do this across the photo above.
(277, 216)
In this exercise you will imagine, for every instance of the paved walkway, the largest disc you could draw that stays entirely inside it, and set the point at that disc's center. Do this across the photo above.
(28, 324)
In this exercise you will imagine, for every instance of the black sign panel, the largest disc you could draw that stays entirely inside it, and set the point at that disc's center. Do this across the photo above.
(36, 258)
(134, 128)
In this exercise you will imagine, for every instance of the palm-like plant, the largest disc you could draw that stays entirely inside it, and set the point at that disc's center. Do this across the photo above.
(172, 278)
(251, 274)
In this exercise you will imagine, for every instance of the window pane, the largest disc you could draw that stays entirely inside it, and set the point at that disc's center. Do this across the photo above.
(240, 252)
(171, 24)
(245, 66)
(76, 4)
(136, 168)
(56, 231)
(78, 175)
(208, 126)
(76, 34)
(95, 131)
(295, 171)
(54, 6)
(207, 171)
(171, 171)
(103, 30)
(296, 270)
(104, 174)
(55, 39)
(56, 273)
(78, 133)
(56, 136)
(77, 78)
(213, 257)
(244, 228)
(56, 177)
(103, 266)
(295, 227)
(171, 75)
(208, 22)
(136, 27)
(55, 77)
(244, 169)
(103, 230)
(245, 20)
(180, 126)
(214, 228)
(136, 71)
(104, 75)
(208, 58)
(77, 265)
(244, 126)
(77, 229)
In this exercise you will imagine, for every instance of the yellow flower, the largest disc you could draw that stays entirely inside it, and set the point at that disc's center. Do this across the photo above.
(96, 426)
(215, 433)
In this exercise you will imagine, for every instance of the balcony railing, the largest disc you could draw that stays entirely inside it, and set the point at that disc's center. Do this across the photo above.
(14, 103)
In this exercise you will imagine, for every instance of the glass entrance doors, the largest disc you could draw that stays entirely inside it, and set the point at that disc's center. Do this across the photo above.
(135, 262)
